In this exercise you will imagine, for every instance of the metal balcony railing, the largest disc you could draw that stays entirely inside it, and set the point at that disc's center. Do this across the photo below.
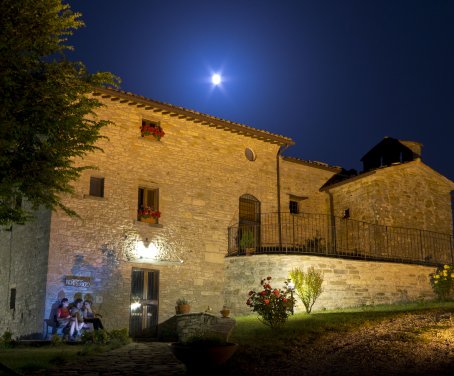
(326, 235)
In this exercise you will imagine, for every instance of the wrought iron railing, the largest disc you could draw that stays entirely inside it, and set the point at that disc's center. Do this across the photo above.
(327, 235)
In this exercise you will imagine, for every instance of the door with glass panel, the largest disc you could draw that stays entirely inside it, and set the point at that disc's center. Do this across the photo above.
(144, 303)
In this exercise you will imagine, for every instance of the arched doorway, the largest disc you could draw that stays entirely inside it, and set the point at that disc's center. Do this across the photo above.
(249, 224)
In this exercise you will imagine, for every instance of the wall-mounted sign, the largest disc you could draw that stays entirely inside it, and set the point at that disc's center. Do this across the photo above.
(77, 281)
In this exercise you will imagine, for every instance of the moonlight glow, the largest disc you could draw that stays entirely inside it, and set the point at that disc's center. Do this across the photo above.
(216, 79)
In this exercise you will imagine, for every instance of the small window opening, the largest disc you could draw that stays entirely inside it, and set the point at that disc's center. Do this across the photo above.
(250, 154)
(294, 207)
(96, 187)
(346, 213)
(12, 299)
(151, 128)
(148, 204)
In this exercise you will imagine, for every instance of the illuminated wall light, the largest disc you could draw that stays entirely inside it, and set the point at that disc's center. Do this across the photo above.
(147, 250)
(135, 305)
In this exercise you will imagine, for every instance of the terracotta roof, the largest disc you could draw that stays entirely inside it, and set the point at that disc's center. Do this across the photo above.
(196, 117)
(316, 164)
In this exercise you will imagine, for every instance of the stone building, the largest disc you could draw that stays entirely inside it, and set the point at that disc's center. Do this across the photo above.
(176, 191)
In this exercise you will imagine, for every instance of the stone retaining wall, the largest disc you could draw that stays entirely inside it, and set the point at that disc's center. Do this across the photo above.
(203, 325)
(347, 283)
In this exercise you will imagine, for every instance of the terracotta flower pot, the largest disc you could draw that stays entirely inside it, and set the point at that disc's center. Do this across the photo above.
(225, 312)
(182, 308)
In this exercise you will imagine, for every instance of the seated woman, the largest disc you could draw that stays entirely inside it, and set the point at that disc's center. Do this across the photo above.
(90, 316)
(63, 314)
(77, 319)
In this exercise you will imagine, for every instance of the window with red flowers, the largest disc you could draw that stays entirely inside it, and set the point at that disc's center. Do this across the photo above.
(148, 205)
(152, 130)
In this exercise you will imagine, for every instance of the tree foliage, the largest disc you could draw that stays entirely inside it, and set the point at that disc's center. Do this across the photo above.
(308, 285)
(47, 115)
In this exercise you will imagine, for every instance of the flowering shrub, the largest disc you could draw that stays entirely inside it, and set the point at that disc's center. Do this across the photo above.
(272, 305)
(442, 281)
(152, 130)
(149, 213)
(308, 285)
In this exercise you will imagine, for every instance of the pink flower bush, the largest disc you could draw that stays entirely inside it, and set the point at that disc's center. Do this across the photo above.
(272, 305)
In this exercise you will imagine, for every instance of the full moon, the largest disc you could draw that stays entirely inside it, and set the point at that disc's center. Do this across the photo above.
(216, 79)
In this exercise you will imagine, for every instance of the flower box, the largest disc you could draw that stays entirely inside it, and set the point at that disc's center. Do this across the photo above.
(151, 131)
(148, 215)
(148, 219)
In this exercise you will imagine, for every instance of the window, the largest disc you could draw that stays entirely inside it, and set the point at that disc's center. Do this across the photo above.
(151, 129)
(346, 214)
(148, 205)
(294, 207)
(12, 299)
(250, 155)
(96, 187)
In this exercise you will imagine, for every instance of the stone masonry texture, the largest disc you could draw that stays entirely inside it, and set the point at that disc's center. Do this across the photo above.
(347, 283)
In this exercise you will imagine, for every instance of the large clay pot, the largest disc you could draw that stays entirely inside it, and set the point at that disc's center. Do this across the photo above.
(225, 312)
(182, 308)
(200, 356)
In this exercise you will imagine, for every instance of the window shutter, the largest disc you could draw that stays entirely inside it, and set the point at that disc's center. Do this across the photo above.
(96, 187)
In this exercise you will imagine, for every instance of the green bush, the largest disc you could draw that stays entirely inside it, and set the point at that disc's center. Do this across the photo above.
(6, 340)
(98, 337)
(272, 305)
(119, 335)
(442, 281)
(56, 340)
(308, 286)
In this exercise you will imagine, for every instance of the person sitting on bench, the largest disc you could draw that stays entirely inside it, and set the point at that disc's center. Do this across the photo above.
(77, 322)
(90, 316)
(63, 314)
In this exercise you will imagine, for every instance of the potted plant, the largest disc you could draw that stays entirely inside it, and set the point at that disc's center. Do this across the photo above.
(247, 241)
(225, 311)
(182, 306)
(148, 215)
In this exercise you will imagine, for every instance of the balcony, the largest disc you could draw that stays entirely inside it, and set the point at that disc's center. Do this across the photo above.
(324, 235)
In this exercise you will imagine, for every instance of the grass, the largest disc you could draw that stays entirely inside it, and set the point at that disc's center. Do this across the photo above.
(249, 329)
(26, 358)
(259, 343)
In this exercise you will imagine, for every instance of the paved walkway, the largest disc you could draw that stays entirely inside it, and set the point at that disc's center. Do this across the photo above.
(137, 358)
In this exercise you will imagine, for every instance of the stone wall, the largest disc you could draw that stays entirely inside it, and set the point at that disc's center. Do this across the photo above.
(347, 283)
(304, 180)
(200, 172)
(23, 266)
(406, 195)
(201, 325)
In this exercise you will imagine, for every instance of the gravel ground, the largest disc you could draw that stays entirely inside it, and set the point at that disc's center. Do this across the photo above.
(409, 344)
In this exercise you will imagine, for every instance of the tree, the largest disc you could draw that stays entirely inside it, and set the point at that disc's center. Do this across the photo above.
(47, 116)
(308, 286)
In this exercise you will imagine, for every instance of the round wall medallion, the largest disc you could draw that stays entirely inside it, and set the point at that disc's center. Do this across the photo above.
(250, 155)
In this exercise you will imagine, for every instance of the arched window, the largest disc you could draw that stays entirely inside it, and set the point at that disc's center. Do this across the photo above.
(249, 210)
(249, 224)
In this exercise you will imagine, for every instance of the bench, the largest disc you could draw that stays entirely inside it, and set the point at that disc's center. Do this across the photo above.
(51, 327)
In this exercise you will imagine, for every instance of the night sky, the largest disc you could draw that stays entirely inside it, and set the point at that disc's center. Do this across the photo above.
(335, 76)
